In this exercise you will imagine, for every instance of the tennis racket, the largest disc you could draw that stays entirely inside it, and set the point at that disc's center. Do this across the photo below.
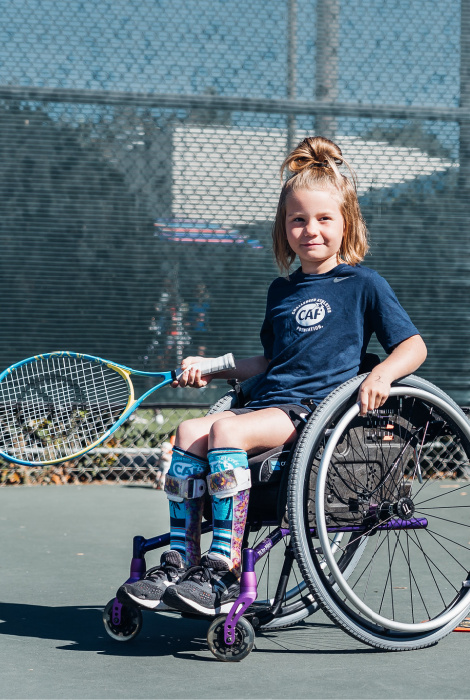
(59, 405)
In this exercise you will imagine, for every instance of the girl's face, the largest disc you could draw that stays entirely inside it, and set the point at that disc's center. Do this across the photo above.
(315, 227)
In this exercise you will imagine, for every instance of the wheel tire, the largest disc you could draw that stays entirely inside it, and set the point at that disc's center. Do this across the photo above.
(323, 587)
(242, 646)
(131, 623)
(229, 400)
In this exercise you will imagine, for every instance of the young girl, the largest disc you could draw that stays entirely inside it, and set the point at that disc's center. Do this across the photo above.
(318, 323)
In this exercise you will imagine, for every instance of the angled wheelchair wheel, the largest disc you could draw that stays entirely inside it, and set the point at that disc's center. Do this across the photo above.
(230, 399)
(397, 482)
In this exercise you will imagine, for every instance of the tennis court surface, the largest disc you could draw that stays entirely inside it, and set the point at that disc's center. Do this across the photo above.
(65, 550)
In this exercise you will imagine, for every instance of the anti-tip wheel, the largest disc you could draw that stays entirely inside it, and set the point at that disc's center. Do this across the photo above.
(129, 627)
(243, 644)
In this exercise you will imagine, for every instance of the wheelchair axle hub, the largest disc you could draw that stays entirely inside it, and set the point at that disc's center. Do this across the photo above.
(403, 508)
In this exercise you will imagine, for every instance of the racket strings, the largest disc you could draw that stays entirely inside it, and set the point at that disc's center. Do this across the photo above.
(57, 406)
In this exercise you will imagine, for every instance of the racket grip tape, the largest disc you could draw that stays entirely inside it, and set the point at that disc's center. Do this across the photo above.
(210, 366)
(216, 364)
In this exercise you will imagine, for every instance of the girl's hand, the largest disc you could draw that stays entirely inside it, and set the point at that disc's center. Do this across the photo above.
(191, 376)
(404, 359)
(374, 391)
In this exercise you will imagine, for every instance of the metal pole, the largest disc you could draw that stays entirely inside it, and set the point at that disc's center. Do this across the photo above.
(465, 93)
(291, 71)
(231, 104)
(326, 65)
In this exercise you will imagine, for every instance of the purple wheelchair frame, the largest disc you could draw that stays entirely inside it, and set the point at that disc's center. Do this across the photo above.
(248, 580)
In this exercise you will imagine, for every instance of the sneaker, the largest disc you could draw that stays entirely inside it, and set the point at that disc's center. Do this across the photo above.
(148, 592)
(209, 589)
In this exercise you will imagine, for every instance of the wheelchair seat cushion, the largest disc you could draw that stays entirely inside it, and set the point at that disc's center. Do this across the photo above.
(267, 466)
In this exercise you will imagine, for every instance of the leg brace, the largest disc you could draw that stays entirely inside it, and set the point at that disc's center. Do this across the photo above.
(229, 484)
(185, 487)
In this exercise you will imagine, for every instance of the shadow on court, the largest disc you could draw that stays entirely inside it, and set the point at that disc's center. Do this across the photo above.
(81, 629)
(65, 550)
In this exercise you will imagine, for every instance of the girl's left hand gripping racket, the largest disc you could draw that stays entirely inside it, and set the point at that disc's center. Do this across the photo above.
(57, 406)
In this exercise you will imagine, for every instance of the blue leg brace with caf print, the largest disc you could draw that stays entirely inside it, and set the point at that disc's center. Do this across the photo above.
(186, 513)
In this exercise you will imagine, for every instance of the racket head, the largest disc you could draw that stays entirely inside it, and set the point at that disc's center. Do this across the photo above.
(59, 405)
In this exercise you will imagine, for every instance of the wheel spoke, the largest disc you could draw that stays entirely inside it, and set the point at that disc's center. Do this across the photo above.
(378, 471)
(428, 564)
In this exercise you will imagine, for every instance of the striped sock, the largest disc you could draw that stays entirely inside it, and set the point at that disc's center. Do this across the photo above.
(186, 517)
(229, 514)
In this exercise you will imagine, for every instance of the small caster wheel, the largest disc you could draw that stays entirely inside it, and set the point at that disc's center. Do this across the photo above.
(130, 626)
(243, 644)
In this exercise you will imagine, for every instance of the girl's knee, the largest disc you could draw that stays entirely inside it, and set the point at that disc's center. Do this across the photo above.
(223, 433)
(193, 434)
(189, 432)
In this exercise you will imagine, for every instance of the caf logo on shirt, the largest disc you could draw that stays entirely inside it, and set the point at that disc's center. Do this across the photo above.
(310, 314)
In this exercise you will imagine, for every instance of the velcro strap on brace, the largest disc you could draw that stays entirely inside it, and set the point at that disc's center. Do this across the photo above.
(229, 482)
(181, 488)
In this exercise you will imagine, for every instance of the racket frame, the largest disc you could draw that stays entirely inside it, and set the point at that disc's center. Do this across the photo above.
(131, 406)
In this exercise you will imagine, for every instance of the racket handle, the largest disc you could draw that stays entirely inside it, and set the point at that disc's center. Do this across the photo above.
(212, 365)
(216, 364)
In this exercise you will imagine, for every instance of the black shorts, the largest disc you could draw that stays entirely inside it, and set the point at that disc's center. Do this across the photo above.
(298, 414)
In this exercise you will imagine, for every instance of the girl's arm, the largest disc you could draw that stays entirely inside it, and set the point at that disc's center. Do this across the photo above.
(244, 369)
(404, 359)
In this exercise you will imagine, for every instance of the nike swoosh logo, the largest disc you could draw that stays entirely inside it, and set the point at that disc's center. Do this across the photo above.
(341, 279)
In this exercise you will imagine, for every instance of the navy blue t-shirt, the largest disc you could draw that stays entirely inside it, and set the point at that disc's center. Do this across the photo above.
(317, 328)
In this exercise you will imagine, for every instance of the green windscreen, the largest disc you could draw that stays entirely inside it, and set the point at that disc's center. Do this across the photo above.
(140, 146)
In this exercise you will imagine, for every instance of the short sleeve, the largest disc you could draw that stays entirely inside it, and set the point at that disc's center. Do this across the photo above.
(388, 318)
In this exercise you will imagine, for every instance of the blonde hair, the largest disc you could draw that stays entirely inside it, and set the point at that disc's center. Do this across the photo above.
(314, 165)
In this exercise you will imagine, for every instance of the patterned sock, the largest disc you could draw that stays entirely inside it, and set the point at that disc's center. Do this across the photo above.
(229, 514)
(186, 517)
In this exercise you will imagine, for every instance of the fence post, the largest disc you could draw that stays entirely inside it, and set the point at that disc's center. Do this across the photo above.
(291, 71)
(326, 62)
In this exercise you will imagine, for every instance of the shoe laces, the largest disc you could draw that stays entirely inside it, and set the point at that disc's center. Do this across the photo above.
(162, 571)
(202, 574)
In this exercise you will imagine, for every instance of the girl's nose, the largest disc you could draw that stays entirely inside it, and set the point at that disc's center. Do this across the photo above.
(311, 228)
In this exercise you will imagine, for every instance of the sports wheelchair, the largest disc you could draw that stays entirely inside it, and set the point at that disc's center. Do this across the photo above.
(374, 516)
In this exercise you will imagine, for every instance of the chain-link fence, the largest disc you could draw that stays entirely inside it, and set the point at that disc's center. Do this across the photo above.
(139, 451)
(140, 147)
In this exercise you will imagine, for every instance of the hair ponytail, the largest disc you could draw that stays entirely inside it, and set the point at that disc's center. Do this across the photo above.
(315, 152)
